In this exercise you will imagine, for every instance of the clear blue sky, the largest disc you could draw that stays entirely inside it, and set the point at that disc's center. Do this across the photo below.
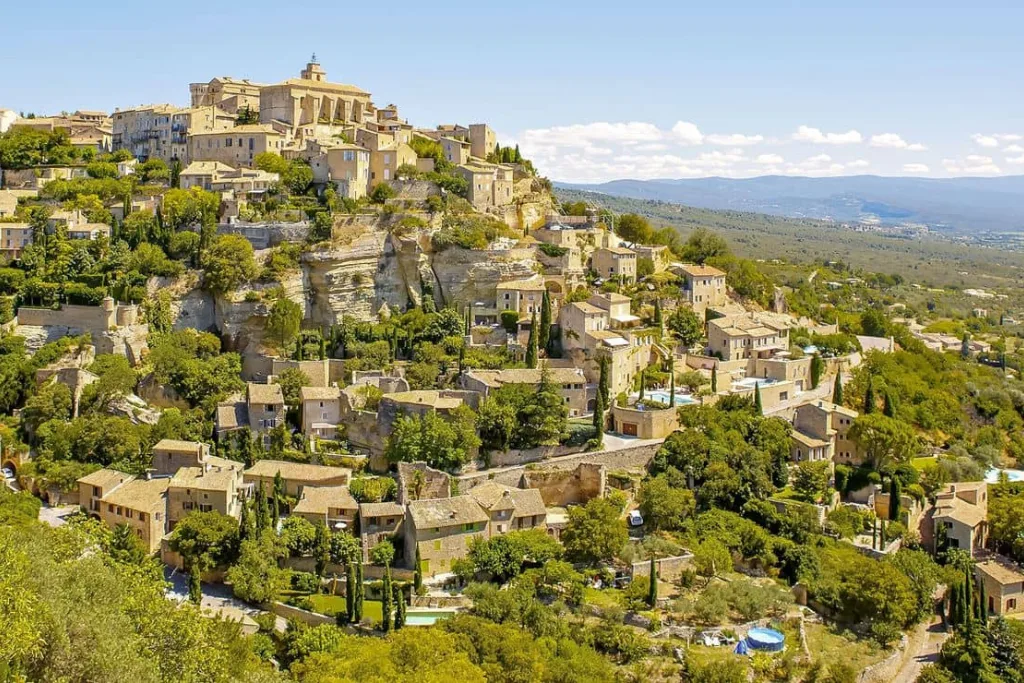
(922, 74)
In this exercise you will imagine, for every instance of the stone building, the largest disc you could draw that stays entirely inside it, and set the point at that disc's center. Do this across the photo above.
(751, 335)
(92, 487)
(142, 505)
(237, 146)
(233, 95)
(321, 411)
(960, 516)
(296, 476)
(703, 286)
(163, 131)
(509, 509)
(821, 432)
(482, 140)
(441, 529)
(170, 455)
(490, 185)
(1004, 585)
(332, 506)
(618, 262)
(214, 485)
(572, 383)
(311, 105)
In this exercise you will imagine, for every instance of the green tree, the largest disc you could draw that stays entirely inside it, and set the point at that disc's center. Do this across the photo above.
(817, 369)
(545, 418)
(182, 209)
(386, 597)
(887, 442)
(531, 344)
(811, 479)
(686, 326)
(205, 539)
(703, 245)
(869, 397)
(895, 491)
(417, 578)
(544, 337)
(283, 322)
(665, 502)
(256, 576)
(442, 443)
(634, 228)
(758, 407)
(228, 263)
(652, 595)
(594, 532)
(399, 607)
(837, 390)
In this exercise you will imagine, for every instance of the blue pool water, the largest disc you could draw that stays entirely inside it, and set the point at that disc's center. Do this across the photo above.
(767, 639)
(426, 617)
(992, 476)
(663, 396)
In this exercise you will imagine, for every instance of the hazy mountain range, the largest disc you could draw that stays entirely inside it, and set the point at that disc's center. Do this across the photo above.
(953, 204)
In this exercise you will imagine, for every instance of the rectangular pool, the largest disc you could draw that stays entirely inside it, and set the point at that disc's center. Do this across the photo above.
(663, 397)
(426, 617)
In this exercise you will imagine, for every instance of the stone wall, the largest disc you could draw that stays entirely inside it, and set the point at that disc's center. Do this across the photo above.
(265, 235)
(93, 319)
(669, 568)
(559, 488)
(522, 457)
(635, 458)
(430, 483)
(306, 617)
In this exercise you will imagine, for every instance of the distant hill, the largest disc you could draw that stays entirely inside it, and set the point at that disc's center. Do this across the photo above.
(963, 205)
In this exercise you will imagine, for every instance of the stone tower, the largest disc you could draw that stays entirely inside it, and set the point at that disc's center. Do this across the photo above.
(313, 71)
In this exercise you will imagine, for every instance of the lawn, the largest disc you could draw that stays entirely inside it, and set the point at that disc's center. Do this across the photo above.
(332, 604)
(609, 597)
(921, 464)
(831, 646)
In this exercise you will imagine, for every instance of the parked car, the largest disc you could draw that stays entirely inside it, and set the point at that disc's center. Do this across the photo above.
(635, 518)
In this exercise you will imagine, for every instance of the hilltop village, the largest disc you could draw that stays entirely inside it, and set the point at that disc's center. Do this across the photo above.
(336, 374)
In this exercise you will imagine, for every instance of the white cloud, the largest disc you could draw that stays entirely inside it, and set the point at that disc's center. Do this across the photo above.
(1010, 137)
(859, 163)
(808, 134)
(915, 168)
(818, 159)
(985, 140)
(972, 164)
(687, 133)
(734, 139)
(769, 159)
(1014, 149)
(894, 141)
(1015, 160)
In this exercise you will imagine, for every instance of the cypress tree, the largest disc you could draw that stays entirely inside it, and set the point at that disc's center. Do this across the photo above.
(837, 390)
(885, 540)
(658, 322)
(323, 349)
(599, 409)
(874, 533)
(602, 382)
(350, 591)
(544, 338)
(757, 399)
(954, 605)
(672, 389)
(358, 606)
(399, 608)
(517, 156)
(320, 545)
(982, 603)
(889, 409)
(278, 498)
(195, 584)
(652, 591)
(262, 509)
(462, 358)
(817, 367)
(417, 577)
(386, 595)
(869, 397)
(968, 600)
(895, 491)
(965, 346)
(714, 379)
(245, 522)
(531, 344)
(642, 378)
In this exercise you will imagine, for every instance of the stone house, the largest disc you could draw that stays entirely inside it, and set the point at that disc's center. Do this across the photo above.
(1004, 585)
(214, 485)
(321, 411)
(455, 151)
(657, 254)
(237, 146)
(342, 164)
(441, 529)
(618, 262)
(296, 476)
(311, 105)
(92, 487)
(752, 335)
(482, 140)
(265, 407)
(490, 185)
(170, 455)
(820, 432)
(644, 424)
(578, 395)
(142, 505)
(703, 286)
(509, 509)
(523, 296)
(378, 521)
(332, 506)
(14, 237)
(233, 95)
(960, 516)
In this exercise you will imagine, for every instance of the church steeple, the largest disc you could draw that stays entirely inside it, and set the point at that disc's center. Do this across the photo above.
(313, 71)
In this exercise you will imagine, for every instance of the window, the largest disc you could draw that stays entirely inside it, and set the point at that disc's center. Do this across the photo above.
(227, 143)
(1011, 603)
(349, 155)
(468, 527)
(437, 545)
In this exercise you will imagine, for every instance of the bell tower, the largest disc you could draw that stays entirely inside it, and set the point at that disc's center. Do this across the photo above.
(313, 72)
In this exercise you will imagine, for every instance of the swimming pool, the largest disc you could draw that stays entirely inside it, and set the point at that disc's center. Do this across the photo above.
(751, 382)
(426, 617)
(663, 396)
(992, 476)
(766, 639)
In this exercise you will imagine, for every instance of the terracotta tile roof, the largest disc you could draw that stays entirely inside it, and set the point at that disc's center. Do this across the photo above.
(424, 397)
(493, 496)
(215, 478)
(296, 471)
(446, 512)
(319, 393)
(589, 309)
(176, 446)
(317, 500)
(694, 270)
(232, 415)
(368, 510)
(1001, 570)
(807, 439)
(265, 394)
(105, 478)
(496, 378)
(139, 494)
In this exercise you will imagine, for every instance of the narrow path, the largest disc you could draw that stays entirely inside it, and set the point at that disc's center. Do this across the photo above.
(923, 649)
